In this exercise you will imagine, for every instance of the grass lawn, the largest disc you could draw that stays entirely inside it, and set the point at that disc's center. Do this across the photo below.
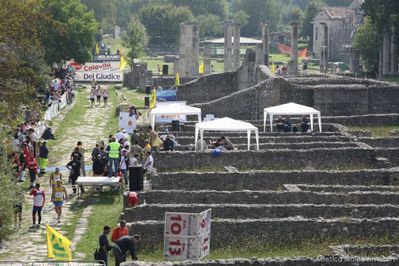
(376, 131)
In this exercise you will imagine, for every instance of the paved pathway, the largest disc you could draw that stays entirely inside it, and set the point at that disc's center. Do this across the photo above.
(29, 244)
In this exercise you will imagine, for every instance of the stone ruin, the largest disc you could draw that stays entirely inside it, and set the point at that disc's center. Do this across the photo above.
(337, 186)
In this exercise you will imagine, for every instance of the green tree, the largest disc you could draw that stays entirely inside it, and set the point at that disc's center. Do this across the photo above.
(258, 11)
(310, 13)
(22, 70)
(205, 7)
(210, 26)
(73, 34)
(135, 39)
(367, 41)
(162, 22)
(240, 17)
(104, 11)
(294, 13)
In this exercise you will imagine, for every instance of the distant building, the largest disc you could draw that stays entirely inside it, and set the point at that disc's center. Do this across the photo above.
(342, 23)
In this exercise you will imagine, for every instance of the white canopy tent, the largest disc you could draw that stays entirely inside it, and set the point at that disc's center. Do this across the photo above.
(290, 109)
(226, 124)
(174, 109)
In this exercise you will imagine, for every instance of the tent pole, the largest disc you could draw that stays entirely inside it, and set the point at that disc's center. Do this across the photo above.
(202, 138)
(264, 120)
(257, 139)
(319, 119)
(271, 123)
(311, 122)
(249, 139)
(196, 138)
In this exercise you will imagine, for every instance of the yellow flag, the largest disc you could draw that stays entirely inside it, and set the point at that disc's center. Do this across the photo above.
(97, 49)
(177, 79)
(201, 68)
(123, 62)
(273, 68)
(153, 100)
(58, 246)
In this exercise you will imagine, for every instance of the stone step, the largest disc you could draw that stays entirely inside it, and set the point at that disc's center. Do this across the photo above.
(292, 146)
(231, 134)
(266, 197)
(386, 142)
(278, 231)
(342, 189)
(259, 211)
(271, 180)
(339, 158)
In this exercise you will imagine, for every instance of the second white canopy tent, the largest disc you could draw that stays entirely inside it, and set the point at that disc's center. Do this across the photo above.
(226, 124)
(290, 109)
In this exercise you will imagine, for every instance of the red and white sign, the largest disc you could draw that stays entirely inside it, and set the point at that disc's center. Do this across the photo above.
(101, 71)
(128, 122)
(187, 235)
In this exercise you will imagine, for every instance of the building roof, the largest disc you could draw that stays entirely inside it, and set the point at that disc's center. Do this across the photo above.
(336, 12)
(243, 40)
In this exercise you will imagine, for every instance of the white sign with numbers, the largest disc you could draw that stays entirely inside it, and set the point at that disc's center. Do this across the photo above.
(187, 235)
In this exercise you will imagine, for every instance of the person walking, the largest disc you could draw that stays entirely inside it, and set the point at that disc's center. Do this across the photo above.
(98, 95)
(105, 94)
(58, 196)
(113, 155)
(92, 96)
(104, 245)
(38, 203)
(74, 166)
(54, 177)
(122, 246)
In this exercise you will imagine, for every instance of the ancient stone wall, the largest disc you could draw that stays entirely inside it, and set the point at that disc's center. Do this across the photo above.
(272, 159)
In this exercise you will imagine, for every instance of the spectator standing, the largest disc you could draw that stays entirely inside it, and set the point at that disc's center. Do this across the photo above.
(168, 144)
(104, 245)
(124, 165)
(113, 155)
(74, 167)
(32, 166)
(82, 157)
(43, 157)
(149, 163)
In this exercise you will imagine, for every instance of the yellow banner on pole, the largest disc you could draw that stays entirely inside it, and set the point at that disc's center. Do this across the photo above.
(58, 246)
(123, 62)
(97, 49)
(177, 79)
(153, 100)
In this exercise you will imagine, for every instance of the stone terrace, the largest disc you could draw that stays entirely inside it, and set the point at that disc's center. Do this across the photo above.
(298, 188)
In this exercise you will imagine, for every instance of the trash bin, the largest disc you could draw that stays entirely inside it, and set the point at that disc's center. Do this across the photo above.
(165, 69)
(175, 125)
(136, 178)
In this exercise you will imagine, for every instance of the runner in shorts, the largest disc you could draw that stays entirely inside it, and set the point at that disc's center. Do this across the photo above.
(98, 95)
(58, 197)
(38, 203)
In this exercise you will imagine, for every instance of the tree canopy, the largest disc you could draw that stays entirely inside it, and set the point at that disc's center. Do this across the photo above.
(135, 39)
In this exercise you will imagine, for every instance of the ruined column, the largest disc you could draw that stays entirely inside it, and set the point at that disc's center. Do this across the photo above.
(380, 61)
(189, 49)
(324, 49)
(236, 46)
(394, 52)
(354, 60)
(259, 54)
(386, 53)
(228, 60)
(293, 63)
(265, 42)
(207, 58)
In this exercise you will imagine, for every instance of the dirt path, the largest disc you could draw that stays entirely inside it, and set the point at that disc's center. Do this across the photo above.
(29, 244)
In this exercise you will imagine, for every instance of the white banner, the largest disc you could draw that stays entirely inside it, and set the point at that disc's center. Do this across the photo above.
(101, 71)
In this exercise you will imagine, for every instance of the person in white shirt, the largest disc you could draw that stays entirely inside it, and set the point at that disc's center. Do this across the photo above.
(149, 163)
(119, 135)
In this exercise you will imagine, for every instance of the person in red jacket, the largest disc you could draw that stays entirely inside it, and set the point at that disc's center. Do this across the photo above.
(119, 231)
(32, 166)
(38, 203)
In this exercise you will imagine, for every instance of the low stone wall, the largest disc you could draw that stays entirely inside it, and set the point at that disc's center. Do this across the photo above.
(341, 189)
(272, 180)
(259, 211)
(229, 232)
(392, 154)
(302, 261)
(389, 142)
(272, 159)
(266, 197)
